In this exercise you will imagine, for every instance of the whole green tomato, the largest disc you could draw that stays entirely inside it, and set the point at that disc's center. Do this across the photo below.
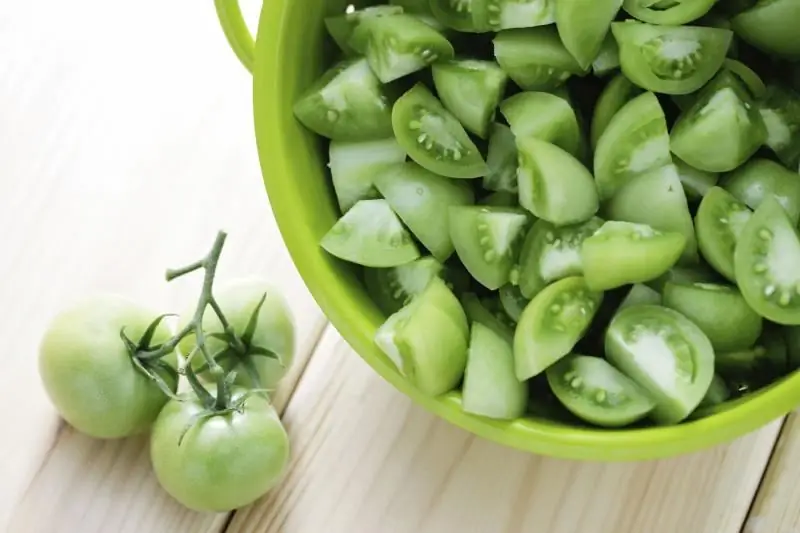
(274, 331)
(88, 372)
(224, 461)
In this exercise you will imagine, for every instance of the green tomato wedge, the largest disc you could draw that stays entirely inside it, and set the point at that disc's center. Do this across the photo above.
(635, 141)
(719, 221)
(765, 262)
(393, 288)
(594, 391)
(509, 14)
(398, 45)
(666, 354)
(543, 116)
(669, 12)
(698, 273)
(427, 340)
(470, 89)
(755, 85)
(469, 16)
(485, 239)
(771, 26)
(621, 253)
(670, 59)
(552, 324)
(759, 178)
(353, 167)
(640, 294)
(481, 312)
(719, 310)
(696, 183)
(420, 9)
(553, 185)
(421, 200)
(657, 199)
(583, 25)
(433, 137)
(491, 388)
(513, 301)
(342, 27)
(535, 58)
(502, 160)
(615, 95)
(721, 130)
(780, 110)
(607, 59)
(717, 392)
(370, 234)
(550, 253)
(348, 103)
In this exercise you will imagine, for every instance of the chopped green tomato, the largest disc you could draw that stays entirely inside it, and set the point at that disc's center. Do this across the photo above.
(552, 323)
(543, 116)
(657, 199)
(393, 288)
(719, 221)
(471, 90)
(513, 301)
(421, 200)
(397, 45)
(370, 234)
(765, 262)
(535, 58)
(722, 129)
(635, 141)
(751, 80)
(583, 25)
(354, 165)
(666, 354)
(640, 294)
(420, 9)
(553, 185)
(479, 312)
(698, 273)
(717, 392)
(551, 253)
(348, 103)
(669, 12)
(502, 160)
(621, 253)
(670, 59)
(719, 310)
(427, 340)
(771, 26)
(469, 16)
(616, 94)
(607, 59)
(485, 239)
(500, 198)
(780, 110)
(593, 390)
(491, 388)
(696, 183)
(342, 27)
(433, 137)
(759, 178)
(509, 14)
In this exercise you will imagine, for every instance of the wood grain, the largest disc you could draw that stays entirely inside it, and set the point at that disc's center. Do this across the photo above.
(366, 459)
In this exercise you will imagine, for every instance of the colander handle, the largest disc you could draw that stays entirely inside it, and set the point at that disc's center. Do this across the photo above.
(236, 31)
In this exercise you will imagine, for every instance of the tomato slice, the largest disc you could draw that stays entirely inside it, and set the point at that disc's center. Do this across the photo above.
(470, 89)
(535, 58)
(354, 165)
(552, 323)
(780, 110)
(341, 27)
(485, 239)
(513, 301)
(491, 388)
(607, 59)
(583, 25)
(640, 294)
(635, 142)
(765, 262)
(657, 199)
(748, 76)
(393, 288)
(666, 354)
(622, 253)
(433, 137)
(719, 221)
(696, 183)
(615, 95)
(669, 12)
(502, 160)
(719, 310)
(509, 14)
(722, 129)
(421, 199)
(593, 390)
(550, 253)
(543, 116)
(759, 178)
(470, 16)
(348, 103)
(553, 185)
(771, 25)
(670, 59)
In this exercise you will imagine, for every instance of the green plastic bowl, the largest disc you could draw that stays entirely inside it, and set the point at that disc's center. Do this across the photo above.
(285, 58)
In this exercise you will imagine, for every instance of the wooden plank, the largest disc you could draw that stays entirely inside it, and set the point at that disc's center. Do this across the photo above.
(366, 459)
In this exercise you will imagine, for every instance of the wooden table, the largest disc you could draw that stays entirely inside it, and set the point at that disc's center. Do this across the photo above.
(125, 143)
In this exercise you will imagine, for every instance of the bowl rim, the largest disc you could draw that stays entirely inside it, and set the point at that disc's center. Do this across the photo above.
(272, 116)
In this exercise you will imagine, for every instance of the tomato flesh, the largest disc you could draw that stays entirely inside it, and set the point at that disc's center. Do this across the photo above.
(393, 288)
(759, 178)
(719, 222)
(675, 12)
(543, 116)
(583, 25)
(615, 95)
(502, 160)
(780, 110)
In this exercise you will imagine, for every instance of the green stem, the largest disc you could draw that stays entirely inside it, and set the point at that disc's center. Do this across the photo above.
(235, 342)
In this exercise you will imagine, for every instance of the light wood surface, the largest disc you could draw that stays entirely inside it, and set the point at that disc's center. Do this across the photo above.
(125, 143)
